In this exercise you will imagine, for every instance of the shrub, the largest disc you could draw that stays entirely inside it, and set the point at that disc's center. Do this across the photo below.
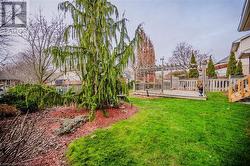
(32, 97)
(19, 140)
(239, 70)
(232, 65)
(193, 71)
(131, 84)
(211, 69)
(44, 96)
(17, 96)
(7, 111)
(70, 97)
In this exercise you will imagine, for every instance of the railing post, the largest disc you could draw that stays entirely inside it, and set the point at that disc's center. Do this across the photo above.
(248, 83)
(230, 92)
(239, 86)
(242, 90)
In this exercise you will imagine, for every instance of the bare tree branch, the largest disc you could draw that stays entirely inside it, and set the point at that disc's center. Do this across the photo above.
(40, 36)
(182, 55)
(19, 140)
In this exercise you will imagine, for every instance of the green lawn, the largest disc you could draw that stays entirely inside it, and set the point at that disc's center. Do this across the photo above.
(171, 132)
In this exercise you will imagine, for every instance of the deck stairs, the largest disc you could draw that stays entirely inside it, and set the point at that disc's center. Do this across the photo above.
(240, 91)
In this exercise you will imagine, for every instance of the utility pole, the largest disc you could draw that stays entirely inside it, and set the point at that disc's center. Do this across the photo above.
(162, 73)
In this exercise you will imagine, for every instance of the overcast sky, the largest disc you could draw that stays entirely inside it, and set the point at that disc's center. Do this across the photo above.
(208, 25)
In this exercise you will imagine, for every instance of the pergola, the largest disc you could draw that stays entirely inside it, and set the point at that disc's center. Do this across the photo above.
(147, 69)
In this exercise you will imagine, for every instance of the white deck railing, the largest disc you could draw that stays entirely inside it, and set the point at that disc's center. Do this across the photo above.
(212, 85)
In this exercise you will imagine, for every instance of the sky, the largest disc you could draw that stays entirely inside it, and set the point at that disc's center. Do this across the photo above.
(208, 25)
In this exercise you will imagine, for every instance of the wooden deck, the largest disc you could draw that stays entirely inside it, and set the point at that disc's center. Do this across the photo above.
(172, 94)
(241, 91)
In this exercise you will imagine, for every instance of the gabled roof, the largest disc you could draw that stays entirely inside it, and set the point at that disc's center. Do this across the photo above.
(222, 61)
(236, 43)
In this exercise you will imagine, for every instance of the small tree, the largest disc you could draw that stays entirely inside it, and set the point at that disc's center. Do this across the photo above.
(239, 70)
(101, 54)
(193, 71)
(231, 67)
(211, 69)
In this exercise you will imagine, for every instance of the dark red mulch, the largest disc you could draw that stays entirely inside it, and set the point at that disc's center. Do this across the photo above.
(53, 155)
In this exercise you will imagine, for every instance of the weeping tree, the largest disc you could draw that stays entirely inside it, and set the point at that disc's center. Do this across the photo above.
(101, 52)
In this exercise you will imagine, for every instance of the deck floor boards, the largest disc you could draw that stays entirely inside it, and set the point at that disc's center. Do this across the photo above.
(172, 94)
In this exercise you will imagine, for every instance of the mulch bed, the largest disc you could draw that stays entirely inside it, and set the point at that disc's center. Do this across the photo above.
(53, 154)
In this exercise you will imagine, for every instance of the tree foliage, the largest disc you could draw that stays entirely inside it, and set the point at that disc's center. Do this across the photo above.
(232, 65)
(101, 53)
(28, 97)
(193, 71)
(239, 70)
(211, 69)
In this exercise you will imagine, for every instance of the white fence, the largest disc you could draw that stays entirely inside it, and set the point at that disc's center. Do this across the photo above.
(212, 85)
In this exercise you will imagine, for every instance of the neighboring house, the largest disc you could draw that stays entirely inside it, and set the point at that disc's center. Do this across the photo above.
(245, 17)
(241, 48)
(7, 80)
(66, 81)
(221, 67)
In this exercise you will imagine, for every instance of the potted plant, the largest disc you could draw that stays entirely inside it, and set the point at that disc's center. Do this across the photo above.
(200, 87)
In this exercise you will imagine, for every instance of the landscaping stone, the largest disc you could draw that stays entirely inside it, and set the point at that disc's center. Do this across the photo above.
(69, 125)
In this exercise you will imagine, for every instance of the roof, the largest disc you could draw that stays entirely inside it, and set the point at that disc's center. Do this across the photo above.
(245, 17)
(236, 43)
(245, 54)
(6, 76)
(223, 61)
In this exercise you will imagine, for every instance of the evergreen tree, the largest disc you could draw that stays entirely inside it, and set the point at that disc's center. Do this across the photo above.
(101, 54)
(193, 71)
(211, 69)
(239, 70)
(231, 66)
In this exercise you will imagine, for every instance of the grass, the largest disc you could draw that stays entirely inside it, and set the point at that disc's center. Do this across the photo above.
(171, 132)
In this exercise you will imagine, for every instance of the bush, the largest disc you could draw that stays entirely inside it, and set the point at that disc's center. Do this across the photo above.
(70, 97)
(7, 111)
(19, 101)
(131, 84)
(20, 140)
(32, 97)
(16, 96)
